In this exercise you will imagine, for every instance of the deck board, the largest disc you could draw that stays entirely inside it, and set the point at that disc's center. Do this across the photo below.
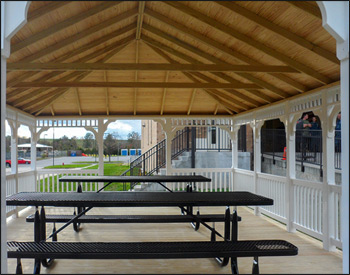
(312, 259)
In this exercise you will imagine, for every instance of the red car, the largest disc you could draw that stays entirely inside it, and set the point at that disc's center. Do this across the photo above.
(20, 161)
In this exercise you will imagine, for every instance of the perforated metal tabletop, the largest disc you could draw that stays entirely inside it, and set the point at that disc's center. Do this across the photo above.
(137, 199)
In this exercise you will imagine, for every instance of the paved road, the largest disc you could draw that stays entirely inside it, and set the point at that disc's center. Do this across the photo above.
(66, 160)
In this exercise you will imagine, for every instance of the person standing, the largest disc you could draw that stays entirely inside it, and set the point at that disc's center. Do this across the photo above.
(306, 133)
(315, 135)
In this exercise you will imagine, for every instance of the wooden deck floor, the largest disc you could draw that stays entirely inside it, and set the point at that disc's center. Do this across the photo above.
(312, 259)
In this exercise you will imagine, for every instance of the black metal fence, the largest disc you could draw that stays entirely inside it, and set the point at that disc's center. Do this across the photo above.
(273, 142)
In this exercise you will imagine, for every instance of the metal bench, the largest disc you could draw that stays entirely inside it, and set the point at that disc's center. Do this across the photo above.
(134, 219)
(150, 250)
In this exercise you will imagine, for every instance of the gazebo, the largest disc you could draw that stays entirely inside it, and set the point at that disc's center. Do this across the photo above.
(186, 64)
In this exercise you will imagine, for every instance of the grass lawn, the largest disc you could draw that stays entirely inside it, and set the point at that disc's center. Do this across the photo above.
(50, 184)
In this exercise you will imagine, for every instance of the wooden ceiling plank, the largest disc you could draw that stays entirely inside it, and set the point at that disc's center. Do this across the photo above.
(307, 7)
(52, 100)
(241, 37)
(78, 100)
(164, 94)
(89, 84)
(279, 30)
(83, 34)
(191, 101)
(62, 25)
(82, 49)
(161, 46)
(51, 6)
(140, 19)
(213, 59)
(20, 66)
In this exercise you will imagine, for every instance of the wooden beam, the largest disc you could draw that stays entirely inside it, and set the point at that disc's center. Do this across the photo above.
(237, 35)
(51, 6)
(107, 93)
(211, 58)
(164, 94)
(279, 30)
(136, 75)
(52, 111)
(307, 7)
(216, 109)
(140, 19)
(82, 49)
(78, 100)
(111, 49)
(161, 46)
(146, 67)
(83, 34)
(62, 25)
(191, 101)
(179, 85)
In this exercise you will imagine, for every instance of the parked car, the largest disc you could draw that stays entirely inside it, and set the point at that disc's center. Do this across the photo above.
(20, 161)
(24, 161)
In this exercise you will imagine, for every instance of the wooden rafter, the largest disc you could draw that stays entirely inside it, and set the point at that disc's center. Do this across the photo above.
(279, 30)
(140, 19)
(89, 84)
(156, 44)
(52, 111)
(62, 25)
(191, 101)
(82, 49)
(33, 95)
(164, 94)
(307, 7)
(214, 96)
(241, 37)
(216, 109)
(146, 67)
(214, 59)
(57, 95)
(107, 93)
(51, 6)
(83, 34)
(78, 100)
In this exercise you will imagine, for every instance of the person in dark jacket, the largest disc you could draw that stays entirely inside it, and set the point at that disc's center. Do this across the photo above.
(315, 130)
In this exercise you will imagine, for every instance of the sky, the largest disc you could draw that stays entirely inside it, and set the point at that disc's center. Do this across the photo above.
(122, 127)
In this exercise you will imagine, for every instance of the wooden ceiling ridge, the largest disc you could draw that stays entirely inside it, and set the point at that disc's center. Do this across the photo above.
(140, 19)
(112, 47)
(214, 59)
(63, 25)
(243, 38)
(261, 21)
(208, 92)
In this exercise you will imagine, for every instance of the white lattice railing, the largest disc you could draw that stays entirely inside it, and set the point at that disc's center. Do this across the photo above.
(26, 183)
(273, 187)
(47, 180)
(221, 179)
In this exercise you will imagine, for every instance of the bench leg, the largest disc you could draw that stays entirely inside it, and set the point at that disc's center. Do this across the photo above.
(225, 261)
(234, 265)
(19, 269)
(37, 265)
(46, 263)
(75, 224)
(255, 265)
(197, 223)
(37, 238)
(234, 238)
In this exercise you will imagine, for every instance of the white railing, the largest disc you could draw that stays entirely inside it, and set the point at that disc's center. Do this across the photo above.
(335, 237)
(243, 180)
(273, 187)
(221, 179)
(308, 212)
(25, 183)
(47, 180)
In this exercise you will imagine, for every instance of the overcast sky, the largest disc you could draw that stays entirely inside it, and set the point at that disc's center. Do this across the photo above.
(122, 127)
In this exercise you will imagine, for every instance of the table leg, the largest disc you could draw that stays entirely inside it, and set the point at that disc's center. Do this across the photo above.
(225, 261)
(37, 239)
(46, 263)
(234, 238)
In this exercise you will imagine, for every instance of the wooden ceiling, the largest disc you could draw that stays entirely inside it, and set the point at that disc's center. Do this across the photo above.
(167, 58)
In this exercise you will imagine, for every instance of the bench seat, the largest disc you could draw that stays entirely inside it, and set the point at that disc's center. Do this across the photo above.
(132, 218)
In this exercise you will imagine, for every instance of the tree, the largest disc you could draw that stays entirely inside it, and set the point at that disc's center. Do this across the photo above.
(134, 139)
(88, 140)
(110, 145)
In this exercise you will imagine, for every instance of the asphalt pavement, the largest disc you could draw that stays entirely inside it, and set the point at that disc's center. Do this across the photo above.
(66, 160)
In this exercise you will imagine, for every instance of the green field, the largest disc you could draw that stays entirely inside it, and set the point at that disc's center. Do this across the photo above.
(110, 169)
